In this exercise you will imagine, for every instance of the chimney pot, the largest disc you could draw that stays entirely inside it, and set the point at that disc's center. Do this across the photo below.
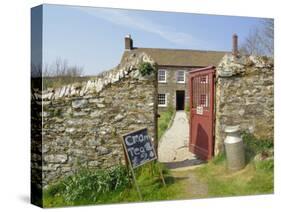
(128, 42)
(235, 45)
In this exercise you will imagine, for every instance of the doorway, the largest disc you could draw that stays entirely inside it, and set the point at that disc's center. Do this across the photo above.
(180, 100)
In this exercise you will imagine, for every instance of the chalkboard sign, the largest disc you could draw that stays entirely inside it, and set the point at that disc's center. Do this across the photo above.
(139, 147)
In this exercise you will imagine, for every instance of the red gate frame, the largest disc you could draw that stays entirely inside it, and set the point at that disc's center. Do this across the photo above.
(210, 70)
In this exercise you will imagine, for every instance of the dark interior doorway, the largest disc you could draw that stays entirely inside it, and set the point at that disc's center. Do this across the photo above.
(179, 100)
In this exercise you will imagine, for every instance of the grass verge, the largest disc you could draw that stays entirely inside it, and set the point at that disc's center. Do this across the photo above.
(164, 120)
(148, 179)
(255, 178)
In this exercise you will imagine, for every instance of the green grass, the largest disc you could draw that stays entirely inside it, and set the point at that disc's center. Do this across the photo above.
(210, 180)
(187, 108)
(151, 187)
(164, 120)
(256, 178)
(149, 182)
(89, 185)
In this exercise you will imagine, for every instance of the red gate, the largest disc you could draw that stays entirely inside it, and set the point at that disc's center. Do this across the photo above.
(201, 90)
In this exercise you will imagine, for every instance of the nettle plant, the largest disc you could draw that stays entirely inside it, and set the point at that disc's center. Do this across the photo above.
(146, 68)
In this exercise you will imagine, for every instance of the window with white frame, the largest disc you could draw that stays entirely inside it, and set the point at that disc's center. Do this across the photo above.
(162, 100)
(162, 75)
(181, 76)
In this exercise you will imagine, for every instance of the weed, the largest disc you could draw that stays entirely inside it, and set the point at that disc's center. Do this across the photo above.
(254, 146)
(219, 158)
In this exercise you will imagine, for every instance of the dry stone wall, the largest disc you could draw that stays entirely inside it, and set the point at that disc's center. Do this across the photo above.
(83, 123)
(244, 96)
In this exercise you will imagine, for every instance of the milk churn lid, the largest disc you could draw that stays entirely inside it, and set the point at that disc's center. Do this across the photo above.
(232, 129)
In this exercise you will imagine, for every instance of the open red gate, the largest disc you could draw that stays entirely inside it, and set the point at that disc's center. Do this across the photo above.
(201, 89)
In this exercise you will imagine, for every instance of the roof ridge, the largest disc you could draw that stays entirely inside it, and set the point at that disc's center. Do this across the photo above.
(194, 50)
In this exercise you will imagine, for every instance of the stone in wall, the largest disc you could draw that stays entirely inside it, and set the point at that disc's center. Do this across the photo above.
(244, 96)
(83, 123)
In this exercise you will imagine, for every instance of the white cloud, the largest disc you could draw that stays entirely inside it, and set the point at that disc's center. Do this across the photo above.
(122, 18)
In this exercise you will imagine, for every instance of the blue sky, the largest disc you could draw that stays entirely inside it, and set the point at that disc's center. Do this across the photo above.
(94, 37)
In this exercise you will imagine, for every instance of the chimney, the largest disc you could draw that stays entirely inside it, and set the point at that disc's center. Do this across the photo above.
(128, 42)
(235, 45)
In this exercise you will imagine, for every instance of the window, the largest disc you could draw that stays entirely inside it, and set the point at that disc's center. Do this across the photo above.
(162, 100)
(180, 76)
(162, 75)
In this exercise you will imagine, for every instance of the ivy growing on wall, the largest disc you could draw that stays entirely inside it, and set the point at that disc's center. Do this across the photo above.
(146, 68)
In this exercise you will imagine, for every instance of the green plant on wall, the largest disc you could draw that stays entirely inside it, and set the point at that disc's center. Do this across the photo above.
(146, 68)
(187, 108)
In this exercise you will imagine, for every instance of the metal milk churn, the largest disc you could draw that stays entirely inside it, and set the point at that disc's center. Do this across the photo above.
(234, 148)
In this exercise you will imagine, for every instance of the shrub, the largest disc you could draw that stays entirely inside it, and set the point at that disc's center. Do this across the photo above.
(146, 68)
(257, 145)
(254, 146)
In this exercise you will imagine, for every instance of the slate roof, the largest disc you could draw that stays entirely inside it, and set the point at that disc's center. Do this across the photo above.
(180, 57)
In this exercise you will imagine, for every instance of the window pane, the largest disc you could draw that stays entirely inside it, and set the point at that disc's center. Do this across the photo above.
(162, 99)
(162, 75)
(180, 76)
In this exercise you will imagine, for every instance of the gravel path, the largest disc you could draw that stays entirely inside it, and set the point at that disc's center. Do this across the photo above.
(173, 146)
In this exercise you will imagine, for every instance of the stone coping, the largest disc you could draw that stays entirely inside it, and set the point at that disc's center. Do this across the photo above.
(238, 64)
(126, 69)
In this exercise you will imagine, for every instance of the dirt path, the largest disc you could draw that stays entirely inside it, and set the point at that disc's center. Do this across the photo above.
(173, 152)
(194, 187)
(173, 145)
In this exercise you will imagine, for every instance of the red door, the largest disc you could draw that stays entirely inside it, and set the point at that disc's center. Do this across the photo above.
(201, 89)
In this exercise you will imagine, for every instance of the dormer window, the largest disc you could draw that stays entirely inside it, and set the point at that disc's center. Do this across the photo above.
(162, 75)
(181, 76)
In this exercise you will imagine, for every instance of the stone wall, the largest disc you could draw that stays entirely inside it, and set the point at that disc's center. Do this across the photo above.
(244, 96)
(83, 123)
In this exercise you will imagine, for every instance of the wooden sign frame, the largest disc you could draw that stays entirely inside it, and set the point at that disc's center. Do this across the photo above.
(130, 163)
(125, 147)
